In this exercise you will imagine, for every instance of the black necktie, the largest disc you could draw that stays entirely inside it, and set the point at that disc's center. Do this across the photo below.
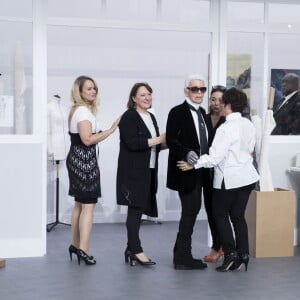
(202, 130)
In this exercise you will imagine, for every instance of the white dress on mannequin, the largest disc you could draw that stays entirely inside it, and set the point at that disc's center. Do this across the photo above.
(57, 129)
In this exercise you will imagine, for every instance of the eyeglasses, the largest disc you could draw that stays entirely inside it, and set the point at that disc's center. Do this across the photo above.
(195, 89)
(218, 88)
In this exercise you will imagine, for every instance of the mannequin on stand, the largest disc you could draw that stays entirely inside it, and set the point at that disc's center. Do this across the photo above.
(57, 126)
(56, 143)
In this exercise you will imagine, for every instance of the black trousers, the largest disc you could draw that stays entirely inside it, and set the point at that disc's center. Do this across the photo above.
(133, 224)
(229, 207)
(190, 207)
(208, 195)
(134, 216)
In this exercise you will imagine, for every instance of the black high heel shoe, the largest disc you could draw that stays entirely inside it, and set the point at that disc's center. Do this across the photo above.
(133, 259)
(127, 254)
(229, 261)
(89, 260)
(72, 249)
(243, 259)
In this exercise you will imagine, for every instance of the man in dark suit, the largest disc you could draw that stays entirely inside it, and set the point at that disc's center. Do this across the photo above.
(287, 112)
(187, 139)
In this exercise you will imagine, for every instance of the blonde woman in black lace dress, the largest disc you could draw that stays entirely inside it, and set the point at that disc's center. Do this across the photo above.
(82, 165)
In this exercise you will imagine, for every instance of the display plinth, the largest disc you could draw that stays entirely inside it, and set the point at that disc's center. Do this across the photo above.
(271, 217)
(2, 263)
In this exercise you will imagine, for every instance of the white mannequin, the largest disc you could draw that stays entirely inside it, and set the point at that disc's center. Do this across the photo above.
(57, 128)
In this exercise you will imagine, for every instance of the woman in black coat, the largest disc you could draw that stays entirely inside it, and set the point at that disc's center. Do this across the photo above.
(137, 167)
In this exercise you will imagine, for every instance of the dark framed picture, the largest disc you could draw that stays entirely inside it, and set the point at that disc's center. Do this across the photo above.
(276, 76)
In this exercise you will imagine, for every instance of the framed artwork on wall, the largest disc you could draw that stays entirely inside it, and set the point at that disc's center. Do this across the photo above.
(239, 72)
(276, 76)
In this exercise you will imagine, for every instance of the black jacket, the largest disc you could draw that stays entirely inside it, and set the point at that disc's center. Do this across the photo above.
(181, 137)
(287, 118)
(133, 174)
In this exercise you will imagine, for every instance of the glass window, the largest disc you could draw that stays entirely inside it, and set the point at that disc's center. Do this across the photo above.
(245, 13)
(284, 52)
(185, 12)
(16, 78)
(131, 10)
(16, 8)
(75, 8)
(284, 16)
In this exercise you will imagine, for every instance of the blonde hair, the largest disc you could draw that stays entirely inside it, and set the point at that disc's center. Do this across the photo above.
(76, 91)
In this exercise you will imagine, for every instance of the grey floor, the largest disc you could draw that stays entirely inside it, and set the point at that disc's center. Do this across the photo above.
(56, 277)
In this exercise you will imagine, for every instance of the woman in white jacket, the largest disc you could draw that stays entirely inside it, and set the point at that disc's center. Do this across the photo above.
(234, 178)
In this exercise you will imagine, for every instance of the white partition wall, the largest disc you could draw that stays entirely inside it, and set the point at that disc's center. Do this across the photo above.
(23, 140)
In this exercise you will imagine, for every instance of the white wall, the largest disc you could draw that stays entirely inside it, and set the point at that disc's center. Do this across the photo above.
(283, 156)
(22, 229)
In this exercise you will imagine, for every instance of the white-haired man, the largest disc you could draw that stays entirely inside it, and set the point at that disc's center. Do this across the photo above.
(187, 139)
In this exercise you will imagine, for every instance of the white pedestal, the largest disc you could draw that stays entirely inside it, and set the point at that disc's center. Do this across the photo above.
(294, 175)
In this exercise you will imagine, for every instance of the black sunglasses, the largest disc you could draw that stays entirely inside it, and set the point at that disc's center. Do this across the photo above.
(195, 89)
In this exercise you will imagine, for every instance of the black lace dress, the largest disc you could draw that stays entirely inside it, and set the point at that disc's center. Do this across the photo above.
(83, 170)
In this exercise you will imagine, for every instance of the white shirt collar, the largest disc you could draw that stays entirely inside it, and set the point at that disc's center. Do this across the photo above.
(286, 98)
(195, 105)
(233, 115)
(290, 95)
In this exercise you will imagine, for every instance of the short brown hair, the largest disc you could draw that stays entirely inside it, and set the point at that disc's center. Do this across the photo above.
(133, 92)
(236, 98)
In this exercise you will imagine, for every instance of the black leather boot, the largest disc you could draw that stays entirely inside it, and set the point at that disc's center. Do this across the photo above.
(183, 259)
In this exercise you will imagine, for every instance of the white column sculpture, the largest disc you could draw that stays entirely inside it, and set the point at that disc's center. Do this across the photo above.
(20, 87)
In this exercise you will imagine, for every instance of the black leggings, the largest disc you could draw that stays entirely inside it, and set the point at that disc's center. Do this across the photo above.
(229, 207)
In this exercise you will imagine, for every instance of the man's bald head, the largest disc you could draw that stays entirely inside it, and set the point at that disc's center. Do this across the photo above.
(289, 83)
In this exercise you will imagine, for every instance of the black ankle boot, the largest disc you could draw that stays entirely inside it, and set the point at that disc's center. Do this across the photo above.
(229, 261)
(243, 259)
